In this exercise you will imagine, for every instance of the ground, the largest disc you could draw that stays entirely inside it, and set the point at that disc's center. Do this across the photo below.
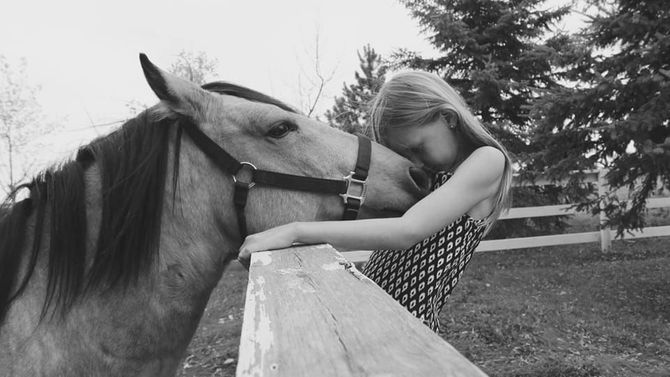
(561, 311)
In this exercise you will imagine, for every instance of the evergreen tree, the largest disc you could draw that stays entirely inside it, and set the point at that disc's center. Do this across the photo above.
(350, 110)
(492, 52)
(498, 55)
(615, 112)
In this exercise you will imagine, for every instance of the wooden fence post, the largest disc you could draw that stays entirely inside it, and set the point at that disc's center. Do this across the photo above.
(310, 312)
(605, 231)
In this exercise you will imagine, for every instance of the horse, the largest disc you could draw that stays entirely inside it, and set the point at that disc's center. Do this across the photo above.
(107, 266)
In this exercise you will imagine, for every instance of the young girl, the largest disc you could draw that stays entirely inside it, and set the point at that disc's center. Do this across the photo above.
(420, 256)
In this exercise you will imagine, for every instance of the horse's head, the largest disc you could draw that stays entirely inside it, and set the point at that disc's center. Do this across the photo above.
(151, 207)
(257, 129)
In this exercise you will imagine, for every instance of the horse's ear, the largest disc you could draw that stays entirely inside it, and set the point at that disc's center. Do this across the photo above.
(179, 95)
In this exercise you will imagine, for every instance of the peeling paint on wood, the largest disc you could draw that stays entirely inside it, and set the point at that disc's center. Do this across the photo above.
(309, 312)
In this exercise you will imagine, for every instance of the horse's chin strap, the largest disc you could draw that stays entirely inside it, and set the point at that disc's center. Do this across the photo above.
(352, 188)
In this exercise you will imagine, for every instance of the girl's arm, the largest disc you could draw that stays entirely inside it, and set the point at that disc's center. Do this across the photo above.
(475, 180)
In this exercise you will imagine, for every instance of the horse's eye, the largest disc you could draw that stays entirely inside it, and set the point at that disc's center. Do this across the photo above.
(280, 130)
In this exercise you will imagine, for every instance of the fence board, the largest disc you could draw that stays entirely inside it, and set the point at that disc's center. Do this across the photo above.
(538, 241)
(589, 177)
(539, 211)
(654, 231)
(310, 313)
(565, 209)
(658, 202)
(567, 239)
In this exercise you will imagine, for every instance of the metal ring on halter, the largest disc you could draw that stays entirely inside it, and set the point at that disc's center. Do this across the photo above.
(360, 185)
(252, 167)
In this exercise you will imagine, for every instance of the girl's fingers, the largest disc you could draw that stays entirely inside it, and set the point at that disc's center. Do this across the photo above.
(244, 256)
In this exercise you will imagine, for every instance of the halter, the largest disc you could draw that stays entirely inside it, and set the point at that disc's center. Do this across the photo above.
(352, 188)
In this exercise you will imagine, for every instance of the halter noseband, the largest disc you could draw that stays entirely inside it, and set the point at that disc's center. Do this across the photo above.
(352, 188)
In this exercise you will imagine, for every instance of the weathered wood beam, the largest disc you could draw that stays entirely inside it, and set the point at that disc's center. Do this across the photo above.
(309, 312)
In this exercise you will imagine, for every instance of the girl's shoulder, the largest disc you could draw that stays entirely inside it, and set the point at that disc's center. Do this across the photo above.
(490, 158)
(485, 156)
(479, 174)
(483, 161)
(488, 154)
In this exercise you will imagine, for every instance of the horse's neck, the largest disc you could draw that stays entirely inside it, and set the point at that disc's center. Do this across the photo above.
(194, 249)
(154, 319)
(196, 242)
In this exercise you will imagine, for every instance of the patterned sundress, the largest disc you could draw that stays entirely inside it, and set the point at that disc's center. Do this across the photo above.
(422, 277)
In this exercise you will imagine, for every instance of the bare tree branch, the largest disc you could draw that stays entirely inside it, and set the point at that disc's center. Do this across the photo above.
(310, 97)
(21, 123)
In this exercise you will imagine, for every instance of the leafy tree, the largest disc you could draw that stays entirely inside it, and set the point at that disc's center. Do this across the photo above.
(196, 67)
(350, 110)
(617, 95)
(20, 123)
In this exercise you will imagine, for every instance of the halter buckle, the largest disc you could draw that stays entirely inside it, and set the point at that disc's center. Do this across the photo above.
(360, 187)
(250, 183)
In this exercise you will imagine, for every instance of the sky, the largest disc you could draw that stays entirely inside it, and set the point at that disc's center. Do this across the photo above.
(83, 54)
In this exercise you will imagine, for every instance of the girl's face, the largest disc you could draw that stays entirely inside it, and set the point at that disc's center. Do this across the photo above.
(433, 145)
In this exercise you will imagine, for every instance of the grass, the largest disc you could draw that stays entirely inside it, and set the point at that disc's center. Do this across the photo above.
(565, 311)
(213, 350)
(562, 311)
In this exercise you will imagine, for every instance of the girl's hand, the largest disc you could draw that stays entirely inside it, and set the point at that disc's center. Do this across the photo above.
(274, 238)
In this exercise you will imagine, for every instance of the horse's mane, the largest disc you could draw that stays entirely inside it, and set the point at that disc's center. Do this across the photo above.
(133, 163)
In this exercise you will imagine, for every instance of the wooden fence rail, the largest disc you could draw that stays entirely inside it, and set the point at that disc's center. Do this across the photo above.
(310, 312)
(604, 235)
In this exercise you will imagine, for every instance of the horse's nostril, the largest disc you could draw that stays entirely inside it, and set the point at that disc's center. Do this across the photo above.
(420, 178)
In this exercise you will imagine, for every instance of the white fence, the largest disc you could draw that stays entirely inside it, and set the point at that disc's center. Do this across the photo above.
(604, 235)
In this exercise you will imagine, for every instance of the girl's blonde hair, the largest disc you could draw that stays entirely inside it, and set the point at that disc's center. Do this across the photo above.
(413, 98)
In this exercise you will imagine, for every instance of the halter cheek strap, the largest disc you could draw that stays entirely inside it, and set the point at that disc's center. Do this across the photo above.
(357, 180)
(351, 188)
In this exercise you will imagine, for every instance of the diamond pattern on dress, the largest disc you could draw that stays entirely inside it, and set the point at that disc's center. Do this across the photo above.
(422, 277)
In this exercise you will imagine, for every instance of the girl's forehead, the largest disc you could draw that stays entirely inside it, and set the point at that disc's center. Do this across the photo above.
(408, 134)
(404, 137)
